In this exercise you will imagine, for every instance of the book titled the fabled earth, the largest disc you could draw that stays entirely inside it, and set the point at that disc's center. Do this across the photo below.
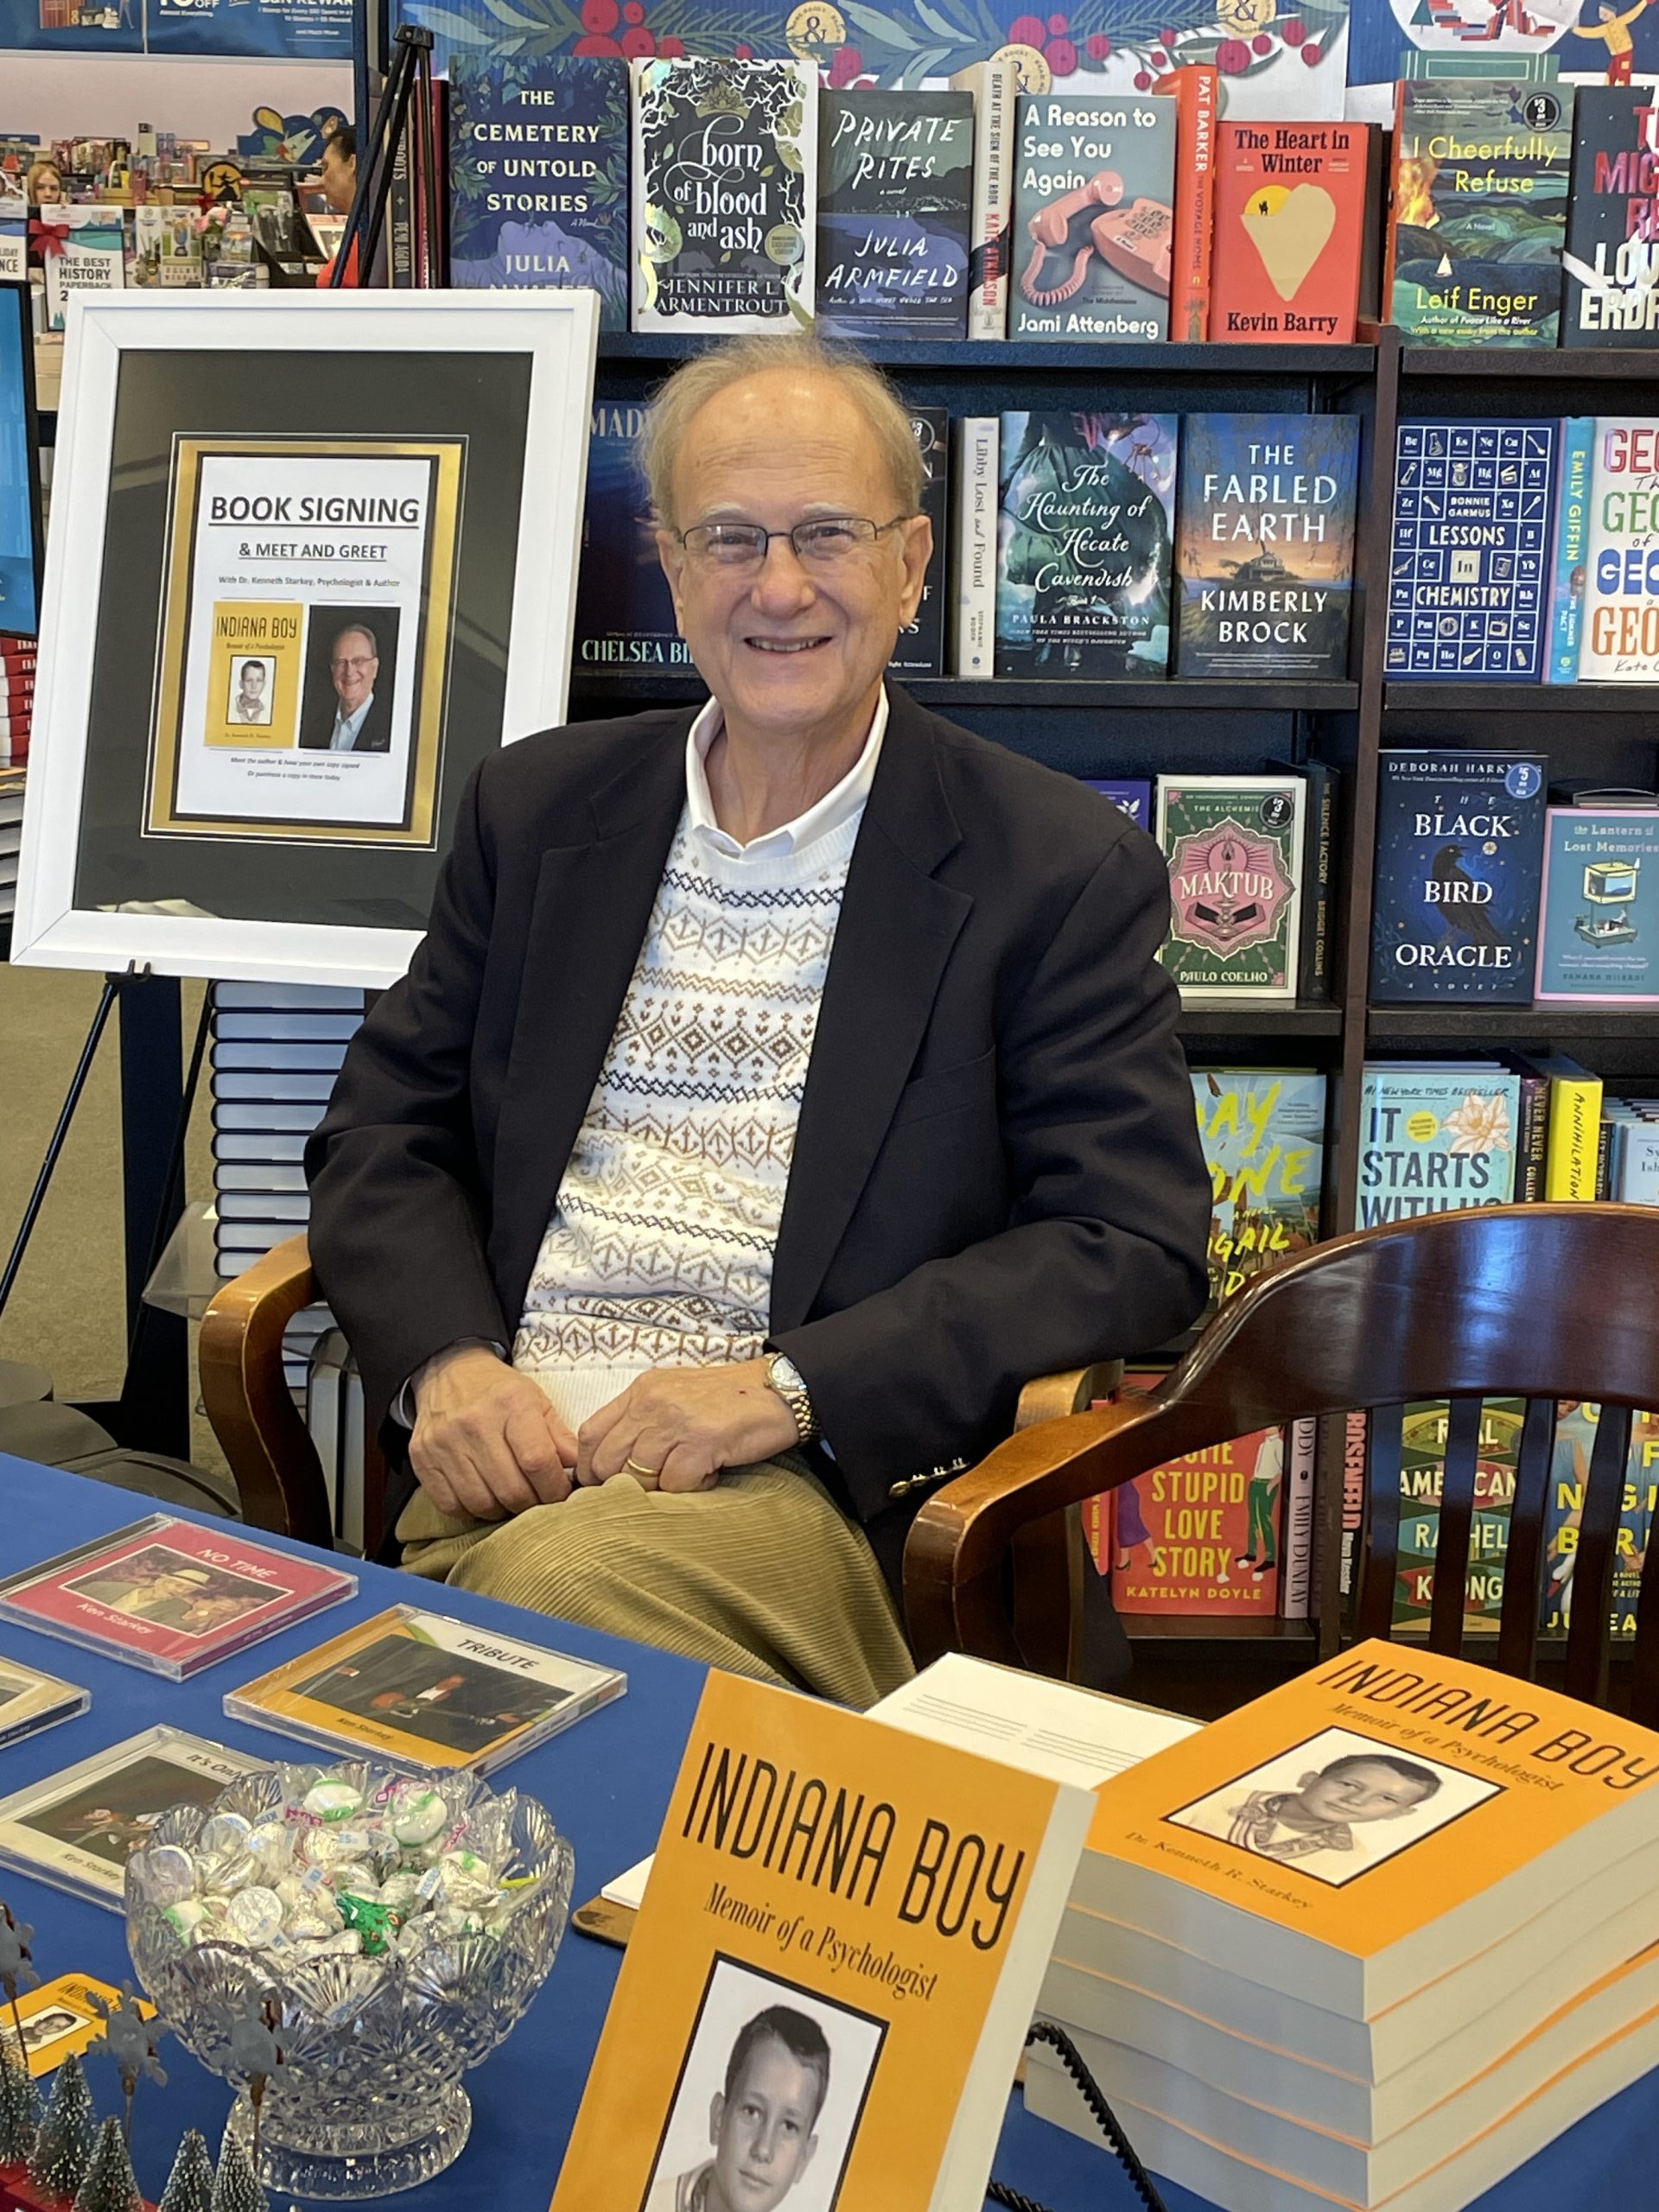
(896, 173)
(539, 175)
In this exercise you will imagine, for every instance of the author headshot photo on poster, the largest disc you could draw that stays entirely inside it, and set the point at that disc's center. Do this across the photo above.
(350, 663)
(768, 2101)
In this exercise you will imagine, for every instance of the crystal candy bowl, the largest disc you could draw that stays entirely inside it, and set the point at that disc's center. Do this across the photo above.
(368, 2097)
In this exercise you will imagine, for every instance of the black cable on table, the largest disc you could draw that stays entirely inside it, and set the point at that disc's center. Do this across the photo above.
(1045, 2031)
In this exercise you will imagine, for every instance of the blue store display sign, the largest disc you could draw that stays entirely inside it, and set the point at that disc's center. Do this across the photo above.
(73, 26)
(299, 30)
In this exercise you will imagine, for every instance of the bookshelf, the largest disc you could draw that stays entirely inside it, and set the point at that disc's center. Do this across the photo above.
(1601, 731)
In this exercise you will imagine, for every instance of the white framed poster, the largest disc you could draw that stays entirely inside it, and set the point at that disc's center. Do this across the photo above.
(313, 557)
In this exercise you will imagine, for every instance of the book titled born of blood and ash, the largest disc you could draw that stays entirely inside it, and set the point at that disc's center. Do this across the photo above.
(1290, 219)
(1460, 859)
(625, 611)
(1611, 260)
(1094, 195)
(895, 203)
(1479, 216)
(724, 186)
(1233, 849)
(539, 175)
(1084, 542)
(836, 1960)
(1470, 555)
(1264, 546)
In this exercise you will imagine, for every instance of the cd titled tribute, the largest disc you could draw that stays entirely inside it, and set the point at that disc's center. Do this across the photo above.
(305, 639)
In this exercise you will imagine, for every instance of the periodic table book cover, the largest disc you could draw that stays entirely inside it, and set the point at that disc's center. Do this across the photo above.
(1468, 562)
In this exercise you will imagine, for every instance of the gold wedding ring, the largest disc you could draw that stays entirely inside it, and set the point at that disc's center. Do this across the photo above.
(645, 1474)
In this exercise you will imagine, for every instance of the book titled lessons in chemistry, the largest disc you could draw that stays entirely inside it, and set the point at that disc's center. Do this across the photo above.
(724, 191)
(844, 1931)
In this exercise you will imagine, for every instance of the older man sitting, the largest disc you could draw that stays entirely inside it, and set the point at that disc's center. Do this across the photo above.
(777, 1089)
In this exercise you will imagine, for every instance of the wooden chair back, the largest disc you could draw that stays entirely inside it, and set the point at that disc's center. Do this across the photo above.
(1543, 1303)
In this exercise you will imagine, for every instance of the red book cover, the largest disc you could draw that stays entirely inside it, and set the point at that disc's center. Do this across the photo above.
(1200, 1534)
(171, 1594)
(1194, 90)
(1290, 224)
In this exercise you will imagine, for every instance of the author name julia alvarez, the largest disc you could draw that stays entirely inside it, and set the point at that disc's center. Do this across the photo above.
(830, 1837)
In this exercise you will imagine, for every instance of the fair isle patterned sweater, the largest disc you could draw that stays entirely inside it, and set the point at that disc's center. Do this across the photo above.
(659, 1249)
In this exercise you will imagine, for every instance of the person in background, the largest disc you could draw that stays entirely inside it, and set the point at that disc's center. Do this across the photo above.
(339, 189)
(45, 185)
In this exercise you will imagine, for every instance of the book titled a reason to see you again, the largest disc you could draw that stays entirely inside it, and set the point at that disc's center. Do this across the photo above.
(840, 1948)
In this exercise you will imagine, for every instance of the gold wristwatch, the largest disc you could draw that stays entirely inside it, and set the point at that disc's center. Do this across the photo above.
(784, 1377)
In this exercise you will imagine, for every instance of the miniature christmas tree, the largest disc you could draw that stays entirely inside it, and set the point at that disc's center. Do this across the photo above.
(235, 2189)
(109, 2184)
(20, 2109)
(63, 2143)
(190, 2184)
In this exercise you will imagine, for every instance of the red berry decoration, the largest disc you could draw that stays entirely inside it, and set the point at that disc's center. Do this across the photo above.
(1261, 43)
(1311, 54)
(594, 44)
(1232, 57)
(1166, 38)
(599, 15)
(1158, 58)
(1293, 30)
(855, 61)
(1142, 82)
(1059, 25)
(1027, 30)
(744, 52)
(1100, 47)
(672, 49)
(634, 12)
(1062, 56)
(638, 45)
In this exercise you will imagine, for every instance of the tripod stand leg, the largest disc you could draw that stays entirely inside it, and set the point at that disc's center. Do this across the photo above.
(55, 1147)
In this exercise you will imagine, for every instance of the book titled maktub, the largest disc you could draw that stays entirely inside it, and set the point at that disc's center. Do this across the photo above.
(1469, 561)
(1290, 219)
(1264, 549)
(1612, 253)
(539, 175)
(1479, 212)
(1083, 581)
(1459, 853)
(725, 180)
(834, 1967)
(1093, 197)
(895, 180)
(1233, 849)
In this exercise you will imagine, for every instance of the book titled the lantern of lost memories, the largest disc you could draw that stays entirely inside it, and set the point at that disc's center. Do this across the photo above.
(839, 1950)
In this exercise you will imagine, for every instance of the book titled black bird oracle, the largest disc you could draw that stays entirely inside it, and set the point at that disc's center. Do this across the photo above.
(1092, 239)
(1085, 542)
(1264, 552)
(1459, 853)
(896, 176)
(1611, 261)
(724, 178)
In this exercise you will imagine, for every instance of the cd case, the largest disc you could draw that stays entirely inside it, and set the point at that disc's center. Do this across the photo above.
(427, 1691)
(172, 1595)
(61, 2017)
(30, 1700)
(75, 1828)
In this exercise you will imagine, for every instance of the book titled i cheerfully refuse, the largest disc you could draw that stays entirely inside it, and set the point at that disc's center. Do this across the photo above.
(832, 1972)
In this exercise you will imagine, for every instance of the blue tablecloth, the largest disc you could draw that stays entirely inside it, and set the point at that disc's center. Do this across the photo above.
(606, 1782)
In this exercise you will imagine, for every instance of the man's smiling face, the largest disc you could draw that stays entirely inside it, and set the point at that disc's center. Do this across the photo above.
(791, 648)
(763, 2131)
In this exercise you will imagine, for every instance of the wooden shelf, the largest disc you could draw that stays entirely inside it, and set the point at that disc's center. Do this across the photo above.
(997, 357)
(1535, 364)
(1301, 1020)
(1403, 696)
(1217, 1628)
(1186, 693)
(1498, 1025)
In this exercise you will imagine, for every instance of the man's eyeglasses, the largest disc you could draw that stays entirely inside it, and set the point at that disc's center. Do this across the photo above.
(356, 667)
(819, 542)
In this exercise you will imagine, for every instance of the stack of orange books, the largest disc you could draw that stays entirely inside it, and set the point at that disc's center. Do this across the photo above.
(1370, 1942)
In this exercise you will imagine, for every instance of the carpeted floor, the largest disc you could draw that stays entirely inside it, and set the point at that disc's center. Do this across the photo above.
(66, 1313)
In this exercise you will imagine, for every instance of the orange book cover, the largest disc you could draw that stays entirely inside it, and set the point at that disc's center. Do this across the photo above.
(1289, 227)
(1371, 1824)
(1194, 89)
(831, 1975)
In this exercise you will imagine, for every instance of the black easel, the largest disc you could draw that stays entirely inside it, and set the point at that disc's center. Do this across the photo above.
(408, 78)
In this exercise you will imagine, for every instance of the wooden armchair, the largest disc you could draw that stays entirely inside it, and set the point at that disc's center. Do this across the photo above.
(279, 1477)
(1538, 1302)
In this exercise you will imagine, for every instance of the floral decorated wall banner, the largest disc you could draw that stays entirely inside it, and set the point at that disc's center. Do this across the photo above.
(1280, 58)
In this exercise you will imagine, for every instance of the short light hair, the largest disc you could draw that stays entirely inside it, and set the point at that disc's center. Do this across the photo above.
(694, 384)
(357, 630)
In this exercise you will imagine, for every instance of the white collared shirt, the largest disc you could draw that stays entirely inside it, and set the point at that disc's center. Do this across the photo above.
(829, 813)
(347, 726)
